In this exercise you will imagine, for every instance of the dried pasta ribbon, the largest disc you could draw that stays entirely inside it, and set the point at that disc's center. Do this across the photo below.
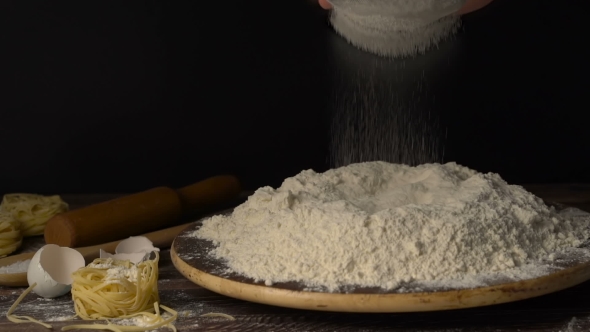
(32, 211)
(23, 319)
(110, 288)
(11, 236)
(218, 314)
(155, 318)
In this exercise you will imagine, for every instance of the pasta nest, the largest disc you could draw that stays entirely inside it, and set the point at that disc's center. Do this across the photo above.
(11, 236)
(32, 211)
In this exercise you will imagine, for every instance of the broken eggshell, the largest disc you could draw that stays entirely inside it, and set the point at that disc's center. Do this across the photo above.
(51, 268)
(135, 249)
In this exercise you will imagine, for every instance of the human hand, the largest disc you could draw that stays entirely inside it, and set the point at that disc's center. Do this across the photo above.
(473, 5)
(325, 4)
(470, 5)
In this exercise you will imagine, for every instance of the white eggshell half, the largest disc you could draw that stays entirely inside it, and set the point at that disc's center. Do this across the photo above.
(136, 249)
(51, 268)
(134, 258)
(135, 244)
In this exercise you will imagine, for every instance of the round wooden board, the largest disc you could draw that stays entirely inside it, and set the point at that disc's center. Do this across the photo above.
(189, 255)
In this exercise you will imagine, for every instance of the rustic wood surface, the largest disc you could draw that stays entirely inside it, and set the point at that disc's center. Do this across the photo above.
(567, 310)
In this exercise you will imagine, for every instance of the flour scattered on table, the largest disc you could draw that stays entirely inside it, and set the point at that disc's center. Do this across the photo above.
(61, 318)
(385, 225)
(16, 267)
(576, 324)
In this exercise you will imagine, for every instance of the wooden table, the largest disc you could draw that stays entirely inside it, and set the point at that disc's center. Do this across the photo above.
(567, 311)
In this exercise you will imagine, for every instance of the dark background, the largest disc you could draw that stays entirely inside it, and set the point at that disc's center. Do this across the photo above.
(116, 96)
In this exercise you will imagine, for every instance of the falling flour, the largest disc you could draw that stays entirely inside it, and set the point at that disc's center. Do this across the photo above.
(375, 119)
(395, 27)
(378, 224)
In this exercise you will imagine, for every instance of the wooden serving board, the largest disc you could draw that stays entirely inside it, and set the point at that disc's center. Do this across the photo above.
(189, 255)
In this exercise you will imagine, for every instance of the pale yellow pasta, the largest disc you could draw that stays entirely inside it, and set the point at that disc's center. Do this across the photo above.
(155, 318)
(11, 236)
(23, 319)
(98, 293)
(32, 211)
(219, 314)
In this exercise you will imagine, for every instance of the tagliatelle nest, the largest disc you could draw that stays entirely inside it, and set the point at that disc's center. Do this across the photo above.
(10, 234)
(32, 211)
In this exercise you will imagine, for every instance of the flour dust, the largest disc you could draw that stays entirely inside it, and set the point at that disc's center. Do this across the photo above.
(387, 119)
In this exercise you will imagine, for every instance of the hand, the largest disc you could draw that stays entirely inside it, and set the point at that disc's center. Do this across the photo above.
(473, 5)
(470, 5)
(325, 4)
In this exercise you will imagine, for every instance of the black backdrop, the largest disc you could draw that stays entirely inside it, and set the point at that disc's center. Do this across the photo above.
(114, 96)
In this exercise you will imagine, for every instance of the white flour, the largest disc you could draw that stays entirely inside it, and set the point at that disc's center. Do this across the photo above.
(140, 321)
(117, 272)
(386, 225)
(395, 27)
(16, 267)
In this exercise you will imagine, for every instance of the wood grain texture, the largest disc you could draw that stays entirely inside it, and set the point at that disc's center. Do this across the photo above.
(567, 310)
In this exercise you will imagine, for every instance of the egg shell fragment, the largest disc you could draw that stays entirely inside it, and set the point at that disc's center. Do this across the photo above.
(135, 249)
(51, 268)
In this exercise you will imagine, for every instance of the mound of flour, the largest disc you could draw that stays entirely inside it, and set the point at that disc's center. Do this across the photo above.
(395, 27)
(378, 224)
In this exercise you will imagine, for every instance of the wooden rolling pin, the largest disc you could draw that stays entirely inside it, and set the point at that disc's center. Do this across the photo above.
(139, 213)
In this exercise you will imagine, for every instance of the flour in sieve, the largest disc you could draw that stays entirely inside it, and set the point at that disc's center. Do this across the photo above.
(384, 225)
(395, 27)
